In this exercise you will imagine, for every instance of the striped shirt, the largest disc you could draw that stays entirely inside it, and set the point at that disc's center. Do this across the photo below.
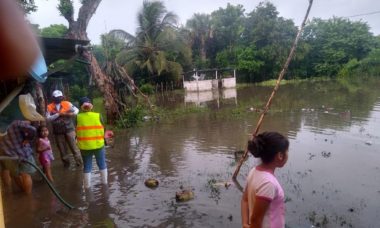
(14, 144)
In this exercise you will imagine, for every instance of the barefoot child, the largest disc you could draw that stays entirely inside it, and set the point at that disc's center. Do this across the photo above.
(262, 204)
(90, 137)
(45, 154)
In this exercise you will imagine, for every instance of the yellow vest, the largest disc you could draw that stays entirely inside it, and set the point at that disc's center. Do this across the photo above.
(90, 131)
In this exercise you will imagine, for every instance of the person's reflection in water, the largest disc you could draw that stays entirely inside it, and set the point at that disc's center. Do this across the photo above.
(99, 208)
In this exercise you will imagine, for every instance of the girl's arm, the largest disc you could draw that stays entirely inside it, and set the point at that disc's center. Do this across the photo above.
(260, 207)
(245, 209)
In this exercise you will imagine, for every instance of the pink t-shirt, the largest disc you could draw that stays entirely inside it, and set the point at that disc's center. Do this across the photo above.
(264, 185)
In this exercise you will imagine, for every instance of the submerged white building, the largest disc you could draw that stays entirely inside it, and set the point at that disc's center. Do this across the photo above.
(198, 82)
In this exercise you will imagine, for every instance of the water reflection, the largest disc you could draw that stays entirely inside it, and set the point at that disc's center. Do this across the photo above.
(200, 98)
(332, 178)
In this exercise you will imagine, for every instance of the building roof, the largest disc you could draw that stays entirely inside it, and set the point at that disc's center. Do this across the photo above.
(59, 48)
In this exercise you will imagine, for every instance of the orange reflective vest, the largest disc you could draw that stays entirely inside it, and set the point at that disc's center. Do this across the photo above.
(65, 107)
(90, 131)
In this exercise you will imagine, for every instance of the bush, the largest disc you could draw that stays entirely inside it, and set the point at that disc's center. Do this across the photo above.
(132, 117)
(76, 92)
(147, 89)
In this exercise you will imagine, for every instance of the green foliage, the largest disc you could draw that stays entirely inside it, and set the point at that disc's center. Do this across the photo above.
(147, 89)
(199, 27)
(159, 50)
(54, 31)
(248, 62)
(132, 117)
(112, 45)
(272, 82)
(348, 68)
(334, 42)
(255, 44)
(76, 92)
(272, 37)
(98, 103)
(66, 8)
(28, 6)
(99, 52)
(227, 25)
(369, 66)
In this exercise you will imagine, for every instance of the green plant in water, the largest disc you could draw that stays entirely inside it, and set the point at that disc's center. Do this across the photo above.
(132, 117)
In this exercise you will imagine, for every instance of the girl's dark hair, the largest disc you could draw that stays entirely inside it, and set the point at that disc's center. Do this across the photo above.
(267, 144)
(40, 128)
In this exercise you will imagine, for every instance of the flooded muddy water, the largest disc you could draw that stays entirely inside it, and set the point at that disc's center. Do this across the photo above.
(332, 178)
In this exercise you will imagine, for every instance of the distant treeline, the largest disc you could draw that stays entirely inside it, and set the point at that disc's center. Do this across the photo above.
(255, 43)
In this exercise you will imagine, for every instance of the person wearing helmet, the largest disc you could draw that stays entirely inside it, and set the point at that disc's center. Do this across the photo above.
(60, 113)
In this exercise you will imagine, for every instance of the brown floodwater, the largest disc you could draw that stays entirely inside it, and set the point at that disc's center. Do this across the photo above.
(332, 178)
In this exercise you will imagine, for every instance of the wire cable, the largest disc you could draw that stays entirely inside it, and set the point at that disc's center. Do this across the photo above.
(44, 177)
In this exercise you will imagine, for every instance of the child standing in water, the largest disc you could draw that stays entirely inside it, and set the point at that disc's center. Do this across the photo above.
(45, 154)
(262, 204)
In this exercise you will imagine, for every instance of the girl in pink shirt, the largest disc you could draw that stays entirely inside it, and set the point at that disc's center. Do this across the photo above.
(262, 204)
(45, 154)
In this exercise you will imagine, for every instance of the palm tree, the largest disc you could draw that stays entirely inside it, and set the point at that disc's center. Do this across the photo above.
(157, 44)
(200, 31)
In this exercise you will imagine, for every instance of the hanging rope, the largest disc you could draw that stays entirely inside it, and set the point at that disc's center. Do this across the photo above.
(280, 77)
(44, 177)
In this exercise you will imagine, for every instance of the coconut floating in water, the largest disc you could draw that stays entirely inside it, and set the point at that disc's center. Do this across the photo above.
(184, 195)
(151, 183)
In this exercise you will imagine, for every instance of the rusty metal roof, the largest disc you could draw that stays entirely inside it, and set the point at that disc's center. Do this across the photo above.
(59, 48)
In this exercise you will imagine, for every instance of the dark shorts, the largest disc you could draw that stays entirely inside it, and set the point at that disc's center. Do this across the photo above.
(16, 167)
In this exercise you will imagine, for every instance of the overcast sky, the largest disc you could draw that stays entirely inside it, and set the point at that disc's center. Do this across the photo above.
(121, 14)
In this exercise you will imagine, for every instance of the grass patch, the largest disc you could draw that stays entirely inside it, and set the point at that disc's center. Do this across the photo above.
(273, 82)
(172, 114)
(99, 107)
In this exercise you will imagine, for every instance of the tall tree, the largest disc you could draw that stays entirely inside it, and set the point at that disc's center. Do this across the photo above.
(228, 25)
(271, 35)
(334, 42)
(153, 53)
(200, 32)
(77, 30)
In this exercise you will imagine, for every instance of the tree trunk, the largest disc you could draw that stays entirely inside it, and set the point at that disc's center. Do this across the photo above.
(106, 86)
(77, 30)
(203, 48)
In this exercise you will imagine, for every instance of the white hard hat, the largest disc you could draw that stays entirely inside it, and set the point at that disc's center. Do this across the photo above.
(57, 93)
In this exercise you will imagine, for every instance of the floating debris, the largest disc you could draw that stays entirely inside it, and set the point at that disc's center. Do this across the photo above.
(311, 156)
(184, 195)
(151, 183)
(252, 109)
(146, 118)
(225, 184)
(369, 143)
(326, 154)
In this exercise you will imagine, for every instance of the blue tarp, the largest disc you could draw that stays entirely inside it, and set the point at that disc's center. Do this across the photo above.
(39, 69)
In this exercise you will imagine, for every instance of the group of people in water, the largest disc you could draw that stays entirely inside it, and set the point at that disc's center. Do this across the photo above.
(85, 140)
(262, 203)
